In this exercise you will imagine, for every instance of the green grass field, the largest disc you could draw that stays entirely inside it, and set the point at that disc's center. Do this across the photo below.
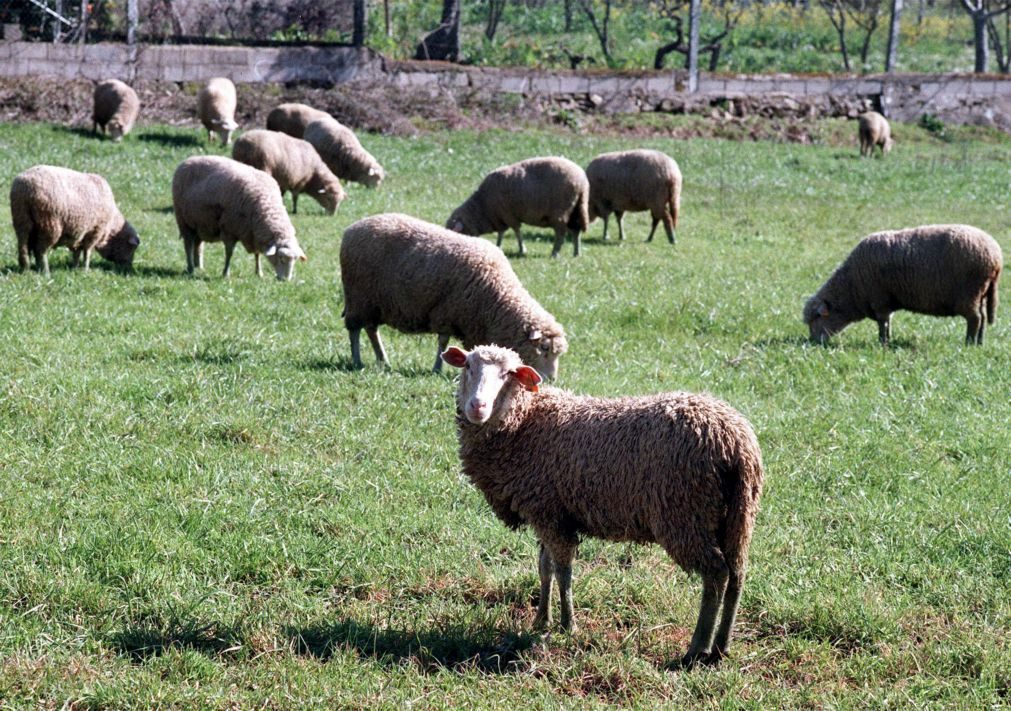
(201, 505)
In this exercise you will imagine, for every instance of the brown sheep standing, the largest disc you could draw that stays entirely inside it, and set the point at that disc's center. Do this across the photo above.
(543, 192)
(293, 118)
(216, 103)
(115, 109)
(939, 270)
(633, 181)
(680, 469)
(874, 131)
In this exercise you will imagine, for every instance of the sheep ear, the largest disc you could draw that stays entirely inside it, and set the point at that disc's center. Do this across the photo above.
(823, 310)
(271, 250)
(527, 377)
(534, 334)
(372, 171)
(454, 356)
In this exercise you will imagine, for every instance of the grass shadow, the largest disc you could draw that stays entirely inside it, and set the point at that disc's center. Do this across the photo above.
(171, 140)
(145, 641)
(457, 649)
(81, 131)
(324, 365)
(168, 210)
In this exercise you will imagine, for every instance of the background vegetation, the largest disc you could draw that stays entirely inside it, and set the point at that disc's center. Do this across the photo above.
(203, 506)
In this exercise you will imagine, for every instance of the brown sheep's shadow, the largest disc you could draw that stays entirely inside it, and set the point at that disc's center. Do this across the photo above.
(171, 140)
(140, 270)
(342, 364)
(168, 210)
(458, 649)
(145, 641)
(81, 131)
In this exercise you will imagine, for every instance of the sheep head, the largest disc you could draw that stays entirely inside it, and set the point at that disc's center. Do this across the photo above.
(491, 378)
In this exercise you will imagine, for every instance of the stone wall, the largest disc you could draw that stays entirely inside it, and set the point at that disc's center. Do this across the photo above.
(956, 98)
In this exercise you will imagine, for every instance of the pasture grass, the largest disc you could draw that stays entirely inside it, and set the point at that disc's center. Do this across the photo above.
(204, 506)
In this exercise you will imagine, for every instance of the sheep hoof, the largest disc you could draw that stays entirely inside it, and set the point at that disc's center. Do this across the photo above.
(690, 660)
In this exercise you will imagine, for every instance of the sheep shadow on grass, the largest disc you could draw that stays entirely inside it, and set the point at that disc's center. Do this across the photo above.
(144, 641)
(459, 649)
(170, 140)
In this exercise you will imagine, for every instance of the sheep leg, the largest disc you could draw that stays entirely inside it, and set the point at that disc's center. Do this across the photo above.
(728, 617)
(188, 248)
(546, 569)
(294, 203)
(356, 351)
(668, 225)
(443, 344)
(656, 221)
(620, 216)
(87, 258)
(974, 329)
(75, 259)
(41, 260)
(229, 248)
(563, 574)
(377, 345)
(198, 254)
(23, 261)
(885, 329)
(259, 266)
(501, 236)
(559, 241)
(519, 240)
(607, 217)
(714, 586)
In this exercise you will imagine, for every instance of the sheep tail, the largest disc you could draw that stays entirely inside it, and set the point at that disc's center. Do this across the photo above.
(991, 299)
(743, 489)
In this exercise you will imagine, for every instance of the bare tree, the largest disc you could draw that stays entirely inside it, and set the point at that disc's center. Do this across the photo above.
(444, 41)
(865, 14)
(386, 18)
(600, 27)
(892, 53)
(673, 13)
(1001, 39)
(982, 13)
(495, 8)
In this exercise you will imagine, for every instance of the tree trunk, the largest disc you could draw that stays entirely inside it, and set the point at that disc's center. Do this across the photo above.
(386, 18)
(694, 17)
(602, 29)
(892, 53)
(662, 52)
(495, 8)
(979, 40)
(83, 35)
(358, 28)
(443, 43)
(568, 15)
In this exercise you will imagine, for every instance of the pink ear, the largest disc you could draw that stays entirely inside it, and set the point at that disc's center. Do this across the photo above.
(528, 377)
(456, 357)
(823, 311)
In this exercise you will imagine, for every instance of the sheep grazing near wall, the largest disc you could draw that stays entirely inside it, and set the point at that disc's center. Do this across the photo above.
(939, 270)
(293, 118)
(543, 192)
(293, 163)
(115, 110)
(53, 206)
(679, 469)
(218, 199)
(216, 104)
(343, 153)
(874, 130)
(633, 181)
(421, 278)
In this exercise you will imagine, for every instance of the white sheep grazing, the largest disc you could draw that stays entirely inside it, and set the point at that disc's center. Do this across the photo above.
(633, 181)
(421, 278)
(53, 206)
(683, 470)
(293, 163)
(874, 131)
(116, 107)
(544, 192)
(217, 199)
(343, 153)
(293, 118)
(216, 104)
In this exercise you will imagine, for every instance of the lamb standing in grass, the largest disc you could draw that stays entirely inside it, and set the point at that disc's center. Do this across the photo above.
(543, 192)
(633, 181)
(679, 469)
(421, 278)
(217, 199)
(53, 206)
(939, 270)
(293, 118)
(115, 110)
(343, 153)
(216, 104)
(293, 163)
(874, 131)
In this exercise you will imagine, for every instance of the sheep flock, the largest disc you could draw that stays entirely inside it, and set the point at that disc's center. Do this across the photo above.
(681, 470)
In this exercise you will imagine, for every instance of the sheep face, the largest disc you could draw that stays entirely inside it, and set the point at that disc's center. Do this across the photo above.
(115, 129)
(889, 142)
(491, 377)
(542, 352)
(119, 249)
(283, 259)
(374, 177)
(458, 223)
(822, 320)
(330, 196)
